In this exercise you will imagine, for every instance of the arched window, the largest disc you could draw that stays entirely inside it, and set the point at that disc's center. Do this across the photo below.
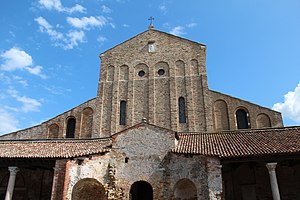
(141, 190)
(122, 112)
(242, 119)
(181, 112)
(71, 128)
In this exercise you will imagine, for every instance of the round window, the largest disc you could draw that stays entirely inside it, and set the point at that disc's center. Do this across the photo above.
(161, 72)
(141, 73)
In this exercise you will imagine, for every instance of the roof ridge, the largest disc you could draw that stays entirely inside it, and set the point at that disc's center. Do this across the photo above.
(56, 140)
(242, 131)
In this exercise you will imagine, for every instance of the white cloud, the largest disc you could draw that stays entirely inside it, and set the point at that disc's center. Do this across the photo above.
(28, 104)
(46, 27)
(125, 25)
(105, 9)
(37, 70)
(4, 79)
(15, 58)
(87, 22)
(112, 25)
(101, 39)
(191, 25)
(74, 37)
(163, 8)
(291, 105)
(20, 80)
(56, 90)
(178, 30)
(66, 41)
(8, 123)
(56, 5)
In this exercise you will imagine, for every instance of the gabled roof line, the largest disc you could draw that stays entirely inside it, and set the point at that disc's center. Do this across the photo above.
(174, 36)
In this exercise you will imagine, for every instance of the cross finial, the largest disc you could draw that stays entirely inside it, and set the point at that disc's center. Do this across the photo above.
(151, 26)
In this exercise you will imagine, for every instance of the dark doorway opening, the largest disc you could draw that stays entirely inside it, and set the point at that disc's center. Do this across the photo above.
(141, 190)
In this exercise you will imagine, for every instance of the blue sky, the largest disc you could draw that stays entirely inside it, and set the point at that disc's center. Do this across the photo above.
(49, 50)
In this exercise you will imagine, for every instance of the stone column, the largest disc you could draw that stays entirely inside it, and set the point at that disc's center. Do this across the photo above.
(273, 180)
(11, 183)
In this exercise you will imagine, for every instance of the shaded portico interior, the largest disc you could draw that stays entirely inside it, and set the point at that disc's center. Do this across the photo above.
(33, 178)
(249, 178)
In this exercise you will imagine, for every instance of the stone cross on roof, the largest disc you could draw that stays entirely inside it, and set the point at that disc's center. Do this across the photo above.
(151, 26)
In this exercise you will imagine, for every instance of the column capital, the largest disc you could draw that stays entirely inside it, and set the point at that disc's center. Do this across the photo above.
(271, 166)
(13, 170)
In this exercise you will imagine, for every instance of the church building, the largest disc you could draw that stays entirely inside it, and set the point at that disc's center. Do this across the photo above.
(154, 131)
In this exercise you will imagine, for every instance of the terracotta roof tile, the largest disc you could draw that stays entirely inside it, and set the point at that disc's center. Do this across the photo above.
(65, 148)
(241, 143)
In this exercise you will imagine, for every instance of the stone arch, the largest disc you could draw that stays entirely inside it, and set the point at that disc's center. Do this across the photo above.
(89, 188)
(185, 189)
(180, 68)
(161, 67)
(110, 73)
(87, 122)
(221, 115)
(124, 72)
(53, 131)
(141, 190)
(263, 121)
(242, 118)
(71, 127)
(195, 67)
(141, 70)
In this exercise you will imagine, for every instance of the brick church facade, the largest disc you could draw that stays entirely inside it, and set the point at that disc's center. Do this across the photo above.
(154, 131)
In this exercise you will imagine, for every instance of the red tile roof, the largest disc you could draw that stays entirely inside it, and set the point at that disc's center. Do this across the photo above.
(227, 144)
(233, 144)
(65, 148)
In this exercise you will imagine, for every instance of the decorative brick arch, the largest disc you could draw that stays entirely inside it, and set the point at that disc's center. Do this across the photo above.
(185, 189)
(180, 68)
(110, 73)
(194, 67)
(161, 69)
(89, 188)
(221, 119)
(53, 131)
(263, 121)
(87, 122)
(124, 72)
(141, 71)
